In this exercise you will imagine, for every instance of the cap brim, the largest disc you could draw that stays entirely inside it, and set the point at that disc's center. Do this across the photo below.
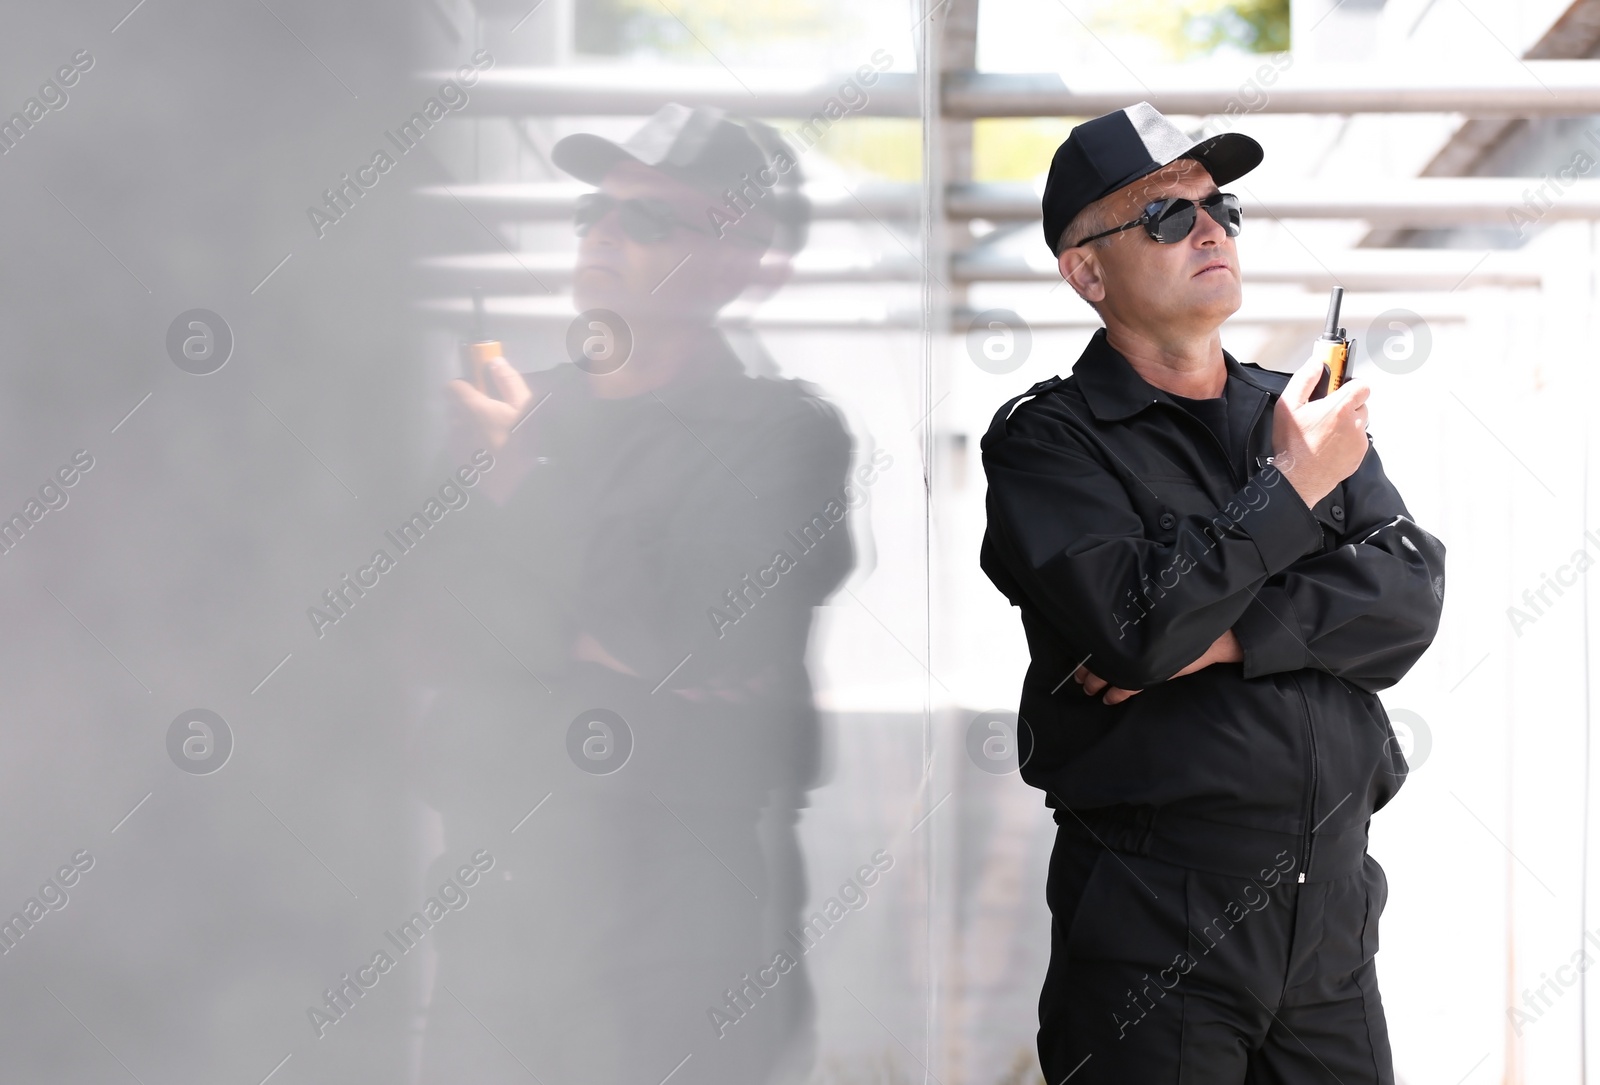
(588, 157)
(1226, 156)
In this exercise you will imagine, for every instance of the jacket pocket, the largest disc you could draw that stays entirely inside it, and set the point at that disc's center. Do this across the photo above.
(1133, 909)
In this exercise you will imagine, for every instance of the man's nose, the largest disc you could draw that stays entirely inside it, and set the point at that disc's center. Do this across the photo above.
(1207, 230)
(605, 230)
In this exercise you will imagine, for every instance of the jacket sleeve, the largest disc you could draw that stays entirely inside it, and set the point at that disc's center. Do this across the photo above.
(1065, 539)
(1364, 612)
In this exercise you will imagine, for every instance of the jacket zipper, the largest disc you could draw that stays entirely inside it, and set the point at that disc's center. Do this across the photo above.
(1311, 737)
(1250, 440)
(1311, 789)
(1311, 734)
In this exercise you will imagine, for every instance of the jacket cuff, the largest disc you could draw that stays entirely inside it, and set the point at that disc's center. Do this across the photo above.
(1276, 519)
(1269, 633)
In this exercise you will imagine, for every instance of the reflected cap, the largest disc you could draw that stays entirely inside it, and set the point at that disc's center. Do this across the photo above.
(698, 146)
(710, 151)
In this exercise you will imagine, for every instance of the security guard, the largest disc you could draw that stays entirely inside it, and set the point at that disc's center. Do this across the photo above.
(1216, 579)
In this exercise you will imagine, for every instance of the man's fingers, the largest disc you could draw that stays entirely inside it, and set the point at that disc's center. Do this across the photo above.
(1353, 391)
(1093, 685)
(464, 394)
(457, 390)
(1297, 393)
(478, 416)
(509, 383)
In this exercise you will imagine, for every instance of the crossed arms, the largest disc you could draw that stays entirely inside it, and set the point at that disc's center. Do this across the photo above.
(1066, 538)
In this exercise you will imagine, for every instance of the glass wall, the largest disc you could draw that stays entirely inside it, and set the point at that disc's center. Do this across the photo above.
(469, 590)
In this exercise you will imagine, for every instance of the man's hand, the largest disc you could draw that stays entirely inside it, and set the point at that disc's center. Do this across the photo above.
(485, 420)
(1318, 443)
(1225, 649)
(481, 421)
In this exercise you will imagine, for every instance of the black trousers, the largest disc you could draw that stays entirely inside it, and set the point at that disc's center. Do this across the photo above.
(1164, 974)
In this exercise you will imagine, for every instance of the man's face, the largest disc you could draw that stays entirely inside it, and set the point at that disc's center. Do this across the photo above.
(1136, 281)
(688, 274)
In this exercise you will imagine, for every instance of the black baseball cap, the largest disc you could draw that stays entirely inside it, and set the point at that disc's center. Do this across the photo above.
(1102, 155)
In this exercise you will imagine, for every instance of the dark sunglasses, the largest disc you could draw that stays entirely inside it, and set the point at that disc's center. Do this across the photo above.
(1173, 218)
(644, 220)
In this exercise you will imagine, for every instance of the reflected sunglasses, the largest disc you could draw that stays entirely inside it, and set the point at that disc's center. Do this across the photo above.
(644, 220)
(1173, 218)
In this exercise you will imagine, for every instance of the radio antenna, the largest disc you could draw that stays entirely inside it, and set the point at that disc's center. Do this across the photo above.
(1331, 329)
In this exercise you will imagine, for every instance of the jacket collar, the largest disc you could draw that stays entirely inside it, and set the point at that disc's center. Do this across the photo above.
(1114, 390)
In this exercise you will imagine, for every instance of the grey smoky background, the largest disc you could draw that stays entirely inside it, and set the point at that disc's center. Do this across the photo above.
(282, 701)
(172, 177)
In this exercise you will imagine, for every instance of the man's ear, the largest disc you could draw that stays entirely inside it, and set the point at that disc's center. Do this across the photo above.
(729, 269)
(1081, 268)
(775, 270)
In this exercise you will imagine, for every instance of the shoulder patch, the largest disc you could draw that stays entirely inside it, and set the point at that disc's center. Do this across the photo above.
(1038, 389)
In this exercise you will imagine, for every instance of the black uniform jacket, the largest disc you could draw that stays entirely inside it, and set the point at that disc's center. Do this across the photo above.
(1131, 540)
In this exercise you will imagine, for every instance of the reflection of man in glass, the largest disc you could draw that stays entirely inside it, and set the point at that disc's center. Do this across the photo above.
(634, 608)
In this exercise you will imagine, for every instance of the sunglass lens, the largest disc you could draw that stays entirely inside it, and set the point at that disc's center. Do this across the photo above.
(642, 220)
(591, 208)
(1224, 207)
(645, 222)
(1173, 222)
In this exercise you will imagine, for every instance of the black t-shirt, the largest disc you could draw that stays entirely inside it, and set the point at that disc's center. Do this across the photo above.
(1213, 412)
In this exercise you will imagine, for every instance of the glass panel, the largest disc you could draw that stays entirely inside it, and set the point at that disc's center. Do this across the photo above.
(471, 595)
